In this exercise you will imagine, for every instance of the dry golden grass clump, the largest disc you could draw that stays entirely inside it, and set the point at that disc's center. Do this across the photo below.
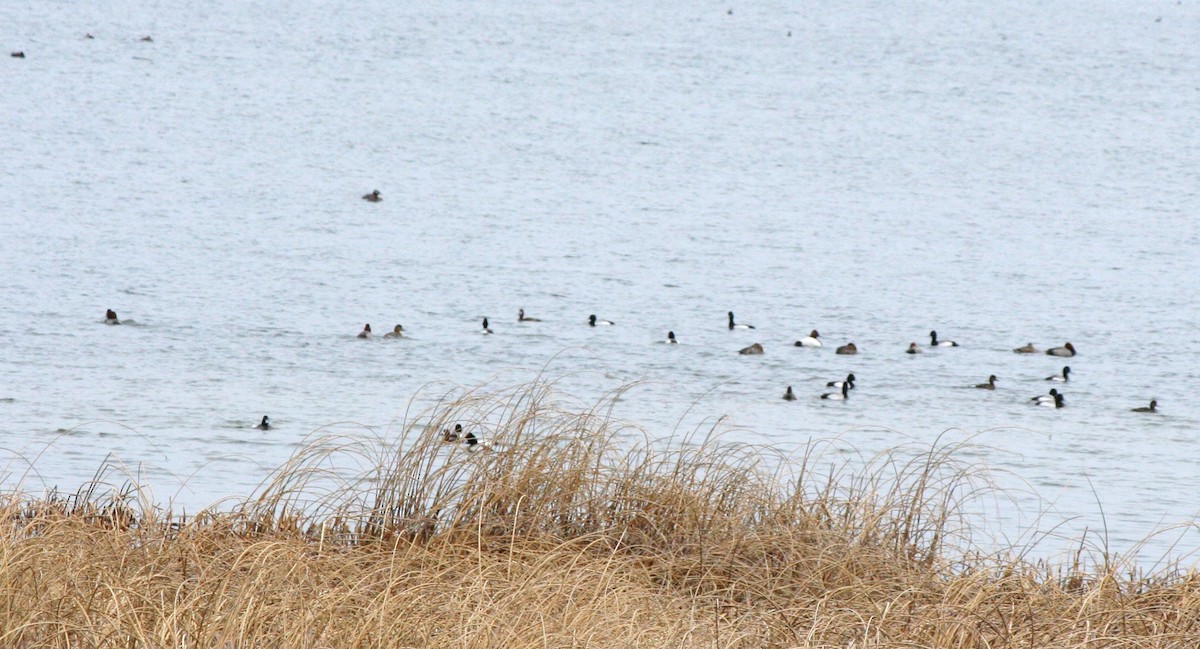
(560, 529)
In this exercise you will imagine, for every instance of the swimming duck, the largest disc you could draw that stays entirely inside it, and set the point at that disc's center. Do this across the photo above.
(934, 342)
(599, 323)
(847, 349)
(671, 337)
(1066, 350)
(366, 332)
(265, 424)
(837, 384)
(147, 39)
(789, 395)
(912, 349)
(733, 325)
(17, 55)
(990, 385)
(521, 317)
(1056, 403)
(838, 396)
(1045, 397)
(396, 332)
(1027, 349)
(813, 339)
(1153, 407)
(110, 317)
(470, 439)
(448, 436)
(752, 350)
(1064, 377)
(373, 197)
(486, 328)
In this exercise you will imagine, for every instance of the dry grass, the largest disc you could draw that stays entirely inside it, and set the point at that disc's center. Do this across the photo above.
(572, 531)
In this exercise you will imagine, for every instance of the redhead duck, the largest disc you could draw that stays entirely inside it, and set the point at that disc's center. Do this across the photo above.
(990, 385)
(1066, 350)
(813, 339)
(752, 350)
(912, 349)
(373, 197)
(733, 325)
(847, 349)
(1153, 407)
(599, 323)
(934, 342)
(110, 317)
(366, 332)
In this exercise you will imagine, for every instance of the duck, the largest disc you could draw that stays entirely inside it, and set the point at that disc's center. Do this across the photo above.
(17, 55)
(990, 385)
(934, 342)
(599, 323)
(789, 395)
(752, 350)
(1066, 350)
(448, 436)
(470, 439)
(265, 424)
(110, 317)
(486, 329)
(366, 332)
(838, 396)
(521, 317)
(671, 338)
(813, 339)
(837, 384)
(1045, 397)
(1064, 377)
(733, 325)
(396, 332)
(847, 349)
(1056, 403)
(373, 197)
(1153, 407)
(147, 39)
(912, 349)
(1027, 349)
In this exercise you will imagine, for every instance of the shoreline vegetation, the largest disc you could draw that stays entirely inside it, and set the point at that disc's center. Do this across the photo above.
(560, 528)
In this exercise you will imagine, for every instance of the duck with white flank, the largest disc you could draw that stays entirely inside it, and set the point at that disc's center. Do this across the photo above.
(671, 337)
(838, 396)
(734, 325)
(110, 317)
(265, 424)
(813, 339)
(1066, 350)
(366, 332)
(1064, 377)
(934, 342)
(486, 328)
(599, 323)
(848, 381)
(1046, 398)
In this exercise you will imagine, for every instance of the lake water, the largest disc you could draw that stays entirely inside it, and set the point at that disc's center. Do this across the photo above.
(1003, 173)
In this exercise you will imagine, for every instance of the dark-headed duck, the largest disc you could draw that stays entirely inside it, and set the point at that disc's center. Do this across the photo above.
(1042, 398)
(1066, 350)
(813, 339)
(848, 349)
(1064, 377)
(265, 424)
(521, 317)
(734, 325)
(599, 323)
(990, 385)
(486, 328)
(366, 332)
(671, 337)
(934, 342)
(838, 396)
(848, 381)
(789, 395)
(110, 317)
(752, 350)
(912, 349)
(373, 197)
(1153, 407)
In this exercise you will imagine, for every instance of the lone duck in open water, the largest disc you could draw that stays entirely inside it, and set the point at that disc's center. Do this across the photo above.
(373, 197)
(789, 395)
(110, 317)
(486, 328)
(599, 323)
(734, 325)
(521, 317)
(671, 338)
(934, 342)
(1153, 407)
(366, 332)
(990, 385)
(265, 424)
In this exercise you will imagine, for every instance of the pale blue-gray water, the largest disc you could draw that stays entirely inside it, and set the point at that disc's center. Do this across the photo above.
(1004, 173)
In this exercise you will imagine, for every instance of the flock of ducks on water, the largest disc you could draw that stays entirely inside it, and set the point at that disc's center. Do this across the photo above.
(1053, 399)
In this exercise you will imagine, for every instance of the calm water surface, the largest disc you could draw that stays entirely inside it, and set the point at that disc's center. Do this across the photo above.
(1003, 174)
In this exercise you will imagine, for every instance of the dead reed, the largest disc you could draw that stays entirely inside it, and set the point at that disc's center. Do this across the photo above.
(563, 527)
